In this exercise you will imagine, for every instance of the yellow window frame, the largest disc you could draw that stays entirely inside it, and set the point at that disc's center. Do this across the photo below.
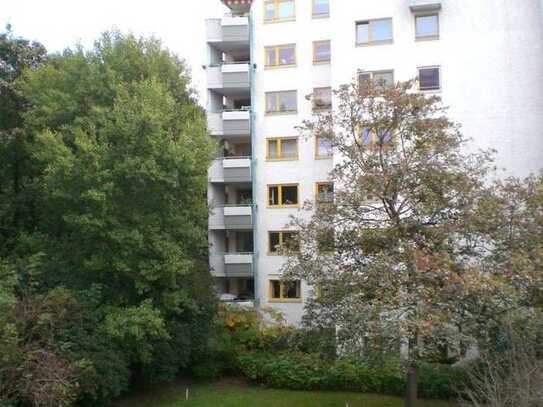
(317, 186)
(280, 195)
(279, 150)
(371, 41)
(277, 95)
(281, 235)
(277, 49)
(276, 18)
(317, 155)
(315, 44)
(282, 297)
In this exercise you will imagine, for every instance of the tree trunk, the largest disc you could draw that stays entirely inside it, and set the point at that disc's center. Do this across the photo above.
(411, 395)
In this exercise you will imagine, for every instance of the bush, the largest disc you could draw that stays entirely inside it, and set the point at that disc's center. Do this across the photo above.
(302, 371)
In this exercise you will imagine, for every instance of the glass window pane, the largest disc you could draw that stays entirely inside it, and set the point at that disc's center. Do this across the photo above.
(383, 78)
(324, 147)
(287, 101)
(286, 9)
(429, 78)
(322, 51)
(363, 77)
(287, 55)
(270, 11)
(274, 242)
(322, 98)
(271, 105)
(381, 30)
(272, 148)
(291, 289)
(289, 148)
(427, 26)
(362, 33)
(273, 196)
(270, 57)
(367, 136)
(275, 288)
(321, 7)
(325, 192)
(290, 241)
(290, 195)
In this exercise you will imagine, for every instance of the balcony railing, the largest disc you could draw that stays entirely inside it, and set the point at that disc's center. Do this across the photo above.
(228, 76)
(229, 29)
(230, 169)
(231, 264)
(231, 217)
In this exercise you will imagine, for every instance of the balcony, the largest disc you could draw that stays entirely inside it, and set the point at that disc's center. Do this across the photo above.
(424, 6)
(230, 169)
(230, 123)
(231, 217)
(230, 33)
(231, 265)
(229, 79)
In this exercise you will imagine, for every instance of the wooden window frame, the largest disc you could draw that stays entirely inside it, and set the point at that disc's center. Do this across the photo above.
(373, 73)
(315, 44)
(319, 184)
(317, 155)
(439, 72)
(276, 18)
(428, 37)
(277, 50)
(277, 95)
(281, 240)
(370, 40)
(280, 197)
(319, 15)
(373, 144)
(282, 298)
(279, 156)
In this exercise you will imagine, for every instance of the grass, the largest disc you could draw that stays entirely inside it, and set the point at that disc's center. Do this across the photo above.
(236, 393)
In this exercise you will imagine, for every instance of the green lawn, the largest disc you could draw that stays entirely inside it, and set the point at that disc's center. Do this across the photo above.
(233, 393)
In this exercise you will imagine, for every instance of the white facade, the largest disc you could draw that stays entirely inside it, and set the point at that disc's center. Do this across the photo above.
(490, 55)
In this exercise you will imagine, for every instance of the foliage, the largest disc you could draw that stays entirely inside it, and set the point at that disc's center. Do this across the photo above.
(106, 263)
(303, 371)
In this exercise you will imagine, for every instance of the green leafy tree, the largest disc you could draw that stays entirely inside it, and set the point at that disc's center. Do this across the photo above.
(397, 256)
(120, 154)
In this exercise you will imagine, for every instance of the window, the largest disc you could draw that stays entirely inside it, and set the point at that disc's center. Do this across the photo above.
(323, 148)
(325, 192)
(379, 78)
(427, 27)
(429, 78)
(281, 102)
(321, 52)
(279, 10)
(370, 137)
(282, 148)
(322, 98)
(283, 195)
(281, 55)
(374, 32)
(285, 290)
(279, 241)
(321, 8)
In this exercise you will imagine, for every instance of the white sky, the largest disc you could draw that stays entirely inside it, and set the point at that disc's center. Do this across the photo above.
(58, 24)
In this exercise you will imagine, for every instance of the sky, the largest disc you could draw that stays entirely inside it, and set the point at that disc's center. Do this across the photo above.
(59, 24)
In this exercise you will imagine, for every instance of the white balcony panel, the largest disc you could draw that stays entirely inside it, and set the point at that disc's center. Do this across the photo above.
(237, 163)
(237, 258)
(231, 21)
(234, 68)
(236, 115)
(215, 123)
(216, 218)
(418, 6)
(216, 264)
(237, 211)
(214, 77)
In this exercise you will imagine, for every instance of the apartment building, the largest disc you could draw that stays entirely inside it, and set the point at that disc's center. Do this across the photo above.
(483, 57)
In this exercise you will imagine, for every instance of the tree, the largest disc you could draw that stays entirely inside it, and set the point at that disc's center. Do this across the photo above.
(396, 254)
(120, 155)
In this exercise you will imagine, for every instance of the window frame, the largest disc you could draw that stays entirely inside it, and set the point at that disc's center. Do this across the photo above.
(282, 284)
(324, 62)
(277, 95)
(373, 144)
(427, 37)
(370, 40)
(280, 195)
(317, 155)
(430, 90)
(277, 50)
(372, 74)
(279, 156)
(319, 15)
(281, 234)
(276, 18)
(318, 201)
